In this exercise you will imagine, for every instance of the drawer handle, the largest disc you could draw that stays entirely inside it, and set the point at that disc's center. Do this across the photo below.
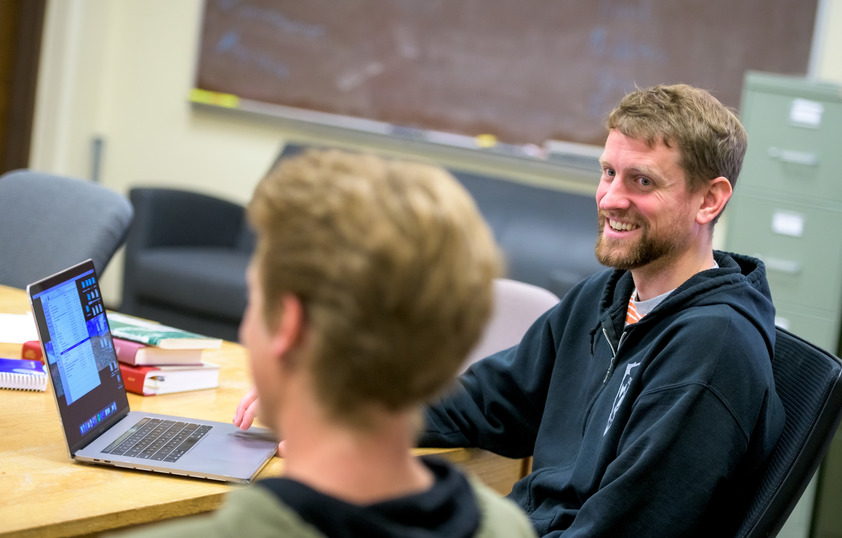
(783, 266)
(793, 157)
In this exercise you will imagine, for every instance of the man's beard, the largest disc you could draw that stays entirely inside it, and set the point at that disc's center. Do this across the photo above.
(626, 255)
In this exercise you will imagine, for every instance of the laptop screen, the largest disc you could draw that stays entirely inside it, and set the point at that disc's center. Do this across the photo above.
(78, 349)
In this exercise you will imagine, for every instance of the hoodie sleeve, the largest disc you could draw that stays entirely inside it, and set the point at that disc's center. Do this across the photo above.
(498, 402)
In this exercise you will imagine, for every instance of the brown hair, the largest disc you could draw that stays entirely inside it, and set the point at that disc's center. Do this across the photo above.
(393, 264)
(708, 135)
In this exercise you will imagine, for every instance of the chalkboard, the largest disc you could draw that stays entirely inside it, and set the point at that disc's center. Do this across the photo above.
(525, 71)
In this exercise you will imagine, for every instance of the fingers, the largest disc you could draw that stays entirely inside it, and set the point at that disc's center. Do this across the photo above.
(246, 413)
(249, 415)
(246, 410)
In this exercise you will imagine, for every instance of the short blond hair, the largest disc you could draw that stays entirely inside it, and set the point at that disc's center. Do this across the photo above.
(393, 264)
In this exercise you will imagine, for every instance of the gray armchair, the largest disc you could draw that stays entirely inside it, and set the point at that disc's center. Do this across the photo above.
(50, 222)
(186, 258)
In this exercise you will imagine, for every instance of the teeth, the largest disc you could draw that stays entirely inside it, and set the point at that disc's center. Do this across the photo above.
(619, 226)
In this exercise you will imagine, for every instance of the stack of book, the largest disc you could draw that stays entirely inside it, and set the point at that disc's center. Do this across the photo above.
(157, 359)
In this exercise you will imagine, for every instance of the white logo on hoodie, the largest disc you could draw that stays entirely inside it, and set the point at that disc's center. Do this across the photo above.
(621, 394)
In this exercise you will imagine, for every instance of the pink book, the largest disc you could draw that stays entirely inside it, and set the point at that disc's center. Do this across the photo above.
(138, 354)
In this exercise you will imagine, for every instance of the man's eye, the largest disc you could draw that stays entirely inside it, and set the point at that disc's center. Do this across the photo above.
(609, 172)
(645, 182)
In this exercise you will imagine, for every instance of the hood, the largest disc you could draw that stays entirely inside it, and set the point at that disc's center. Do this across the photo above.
(739, 282)
(448, 510)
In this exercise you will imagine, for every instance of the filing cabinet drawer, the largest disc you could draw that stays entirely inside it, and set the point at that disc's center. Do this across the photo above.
(794, 146)
(800, 244)
(819, 331)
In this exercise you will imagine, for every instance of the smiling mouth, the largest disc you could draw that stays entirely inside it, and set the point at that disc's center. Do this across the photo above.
(618, 226)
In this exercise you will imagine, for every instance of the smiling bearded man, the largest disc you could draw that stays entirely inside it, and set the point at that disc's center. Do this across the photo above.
(645, 397)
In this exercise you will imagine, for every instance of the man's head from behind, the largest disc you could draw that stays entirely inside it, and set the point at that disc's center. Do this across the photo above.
(392, 265)
(708, 135)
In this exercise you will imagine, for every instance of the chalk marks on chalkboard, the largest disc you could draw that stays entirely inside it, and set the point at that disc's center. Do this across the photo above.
(230, 44)
(525, 71)
(356, 78)
(234, 45)
(604, 95)
(280, 21)
(406, 43)
(637, 12)
(632, 54)
(627, 48)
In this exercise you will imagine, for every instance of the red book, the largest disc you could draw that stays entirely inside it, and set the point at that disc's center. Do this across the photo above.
(31, 351)
(152, 380)
(140, 354)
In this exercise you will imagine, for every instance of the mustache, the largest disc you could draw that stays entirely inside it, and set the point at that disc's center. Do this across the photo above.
(603, 216)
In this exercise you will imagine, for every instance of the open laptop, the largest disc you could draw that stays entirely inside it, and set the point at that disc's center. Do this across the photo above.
(91, 397)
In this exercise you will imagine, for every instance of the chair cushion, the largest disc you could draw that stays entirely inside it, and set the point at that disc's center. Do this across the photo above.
(198, 279)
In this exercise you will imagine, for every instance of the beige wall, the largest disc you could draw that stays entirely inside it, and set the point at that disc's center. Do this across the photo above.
(828, 45)
(121, 70)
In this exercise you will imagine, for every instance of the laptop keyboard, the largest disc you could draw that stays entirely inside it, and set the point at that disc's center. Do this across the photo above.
(158, 439)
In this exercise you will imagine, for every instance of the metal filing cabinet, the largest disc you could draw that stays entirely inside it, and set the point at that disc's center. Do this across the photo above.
(787, 210)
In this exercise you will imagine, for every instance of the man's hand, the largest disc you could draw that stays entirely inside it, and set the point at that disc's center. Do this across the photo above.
(246, 411)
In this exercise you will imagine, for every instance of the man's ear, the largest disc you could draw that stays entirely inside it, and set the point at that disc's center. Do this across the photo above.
(290, 325)
(716, 195)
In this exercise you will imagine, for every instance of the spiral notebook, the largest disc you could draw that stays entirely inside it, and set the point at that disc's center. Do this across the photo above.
(22, 374)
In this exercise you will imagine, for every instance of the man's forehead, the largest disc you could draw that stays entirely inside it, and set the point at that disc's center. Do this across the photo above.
(639, 139)
(638, 154)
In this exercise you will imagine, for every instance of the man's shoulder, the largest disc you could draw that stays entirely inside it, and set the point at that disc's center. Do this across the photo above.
(257, 510)
(501, 517)
(592, 289)
(250, 511)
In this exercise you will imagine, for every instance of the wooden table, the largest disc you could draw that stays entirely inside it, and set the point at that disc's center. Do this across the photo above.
(45, 493)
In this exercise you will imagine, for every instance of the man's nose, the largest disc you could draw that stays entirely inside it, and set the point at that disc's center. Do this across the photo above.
(612, 195)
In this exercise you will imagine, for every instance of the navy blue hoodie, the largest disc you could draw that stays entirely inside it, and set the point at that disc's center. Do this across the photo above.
(657, 429)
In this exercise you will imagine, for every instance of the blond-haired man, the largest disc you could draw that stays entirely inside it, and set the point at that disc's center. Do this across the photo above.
(371, 281)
